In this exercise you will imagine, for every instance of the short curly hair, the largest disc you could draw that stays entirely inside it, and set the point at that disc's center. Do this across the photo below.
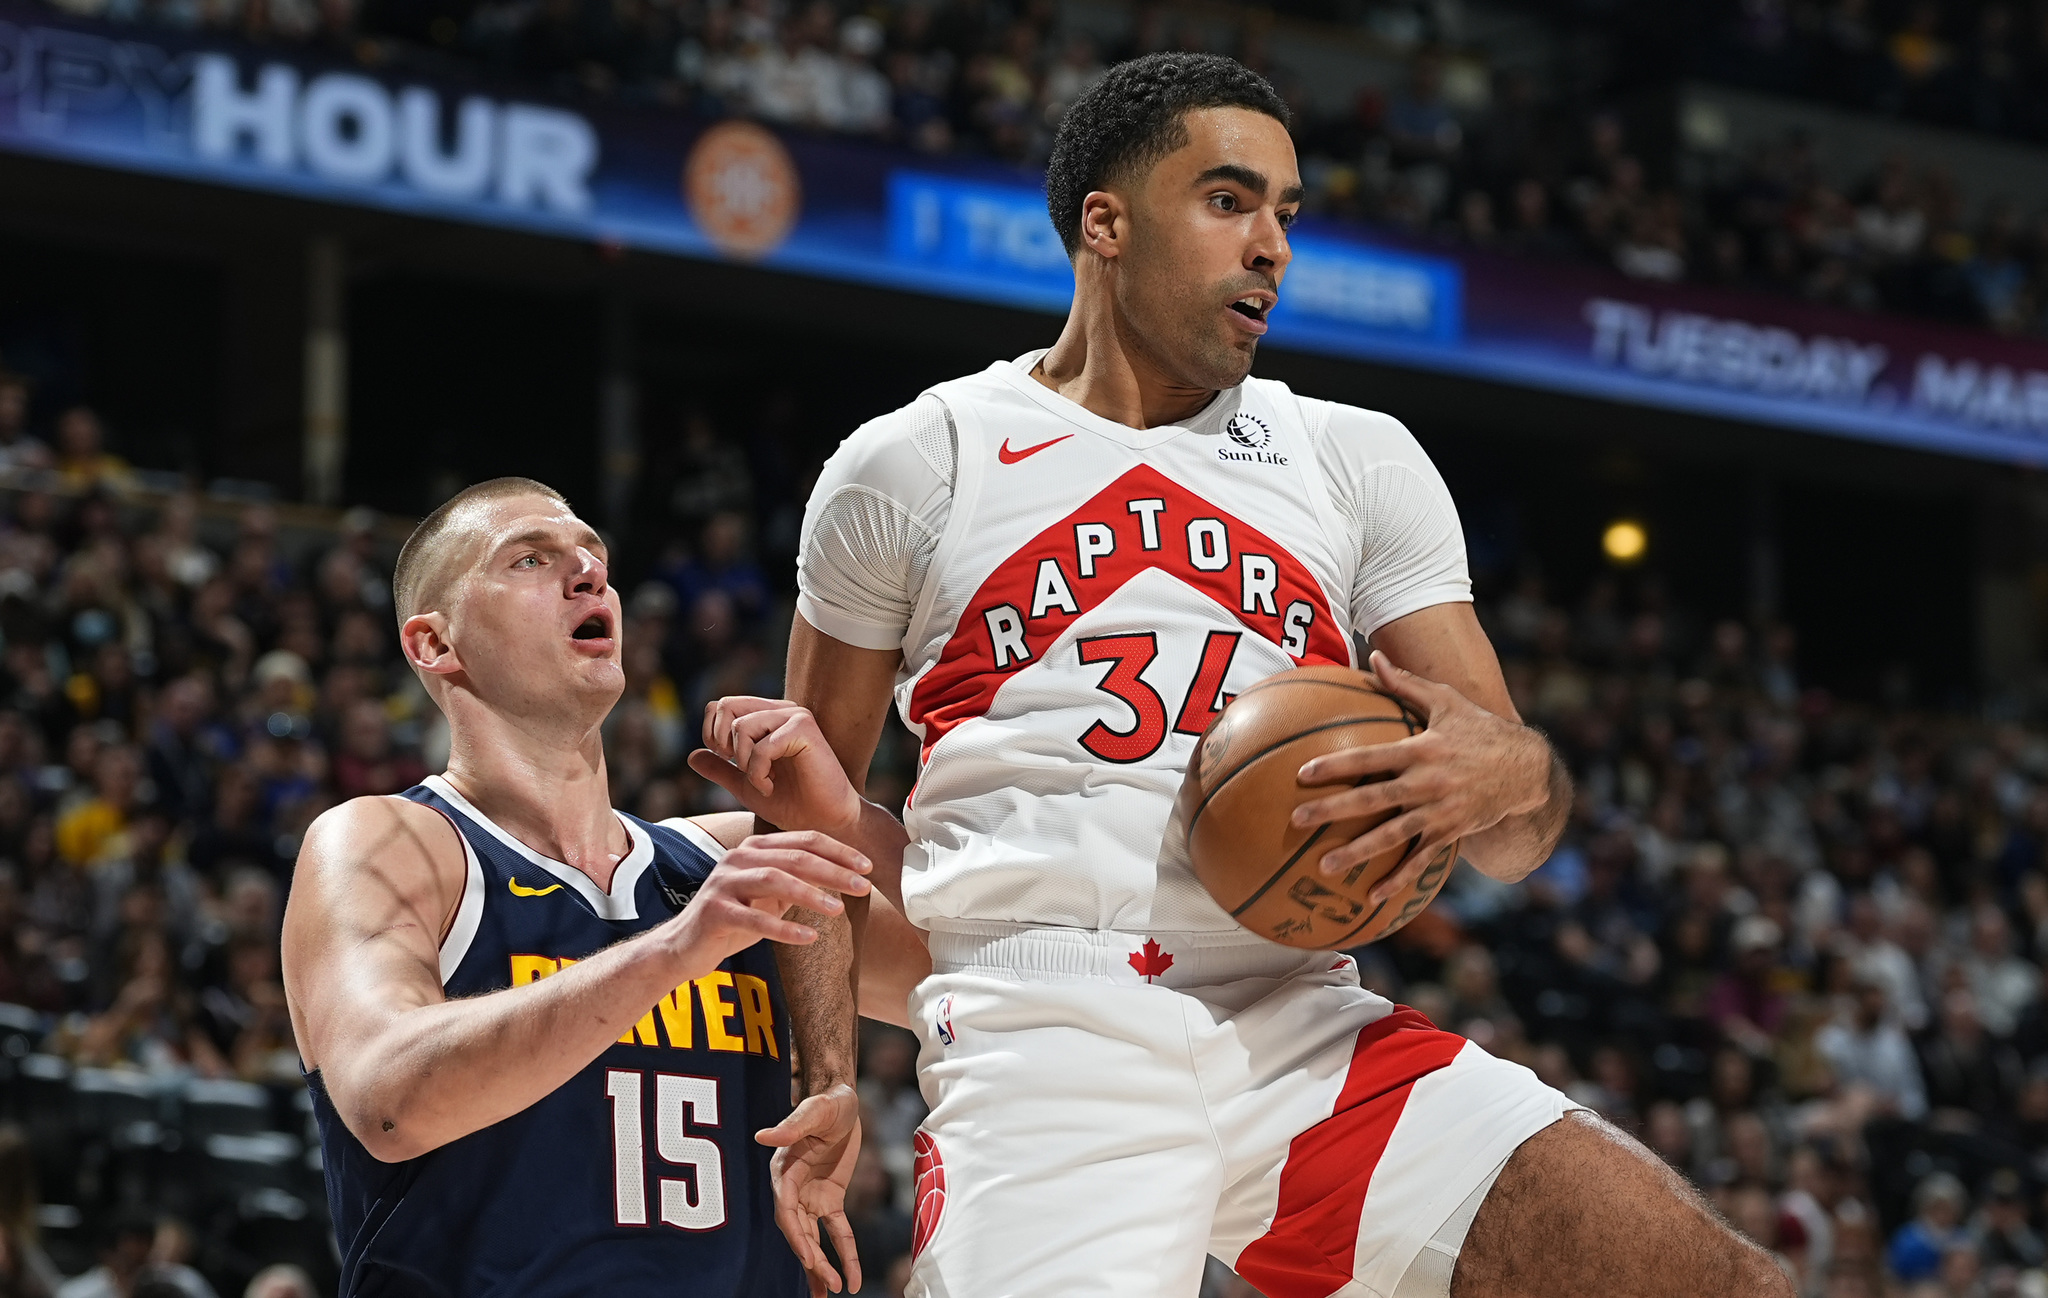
(1135, 116)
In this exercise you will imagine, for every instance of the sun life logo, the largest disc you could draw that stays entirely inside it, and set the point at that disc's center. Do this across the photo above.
(1248, 431)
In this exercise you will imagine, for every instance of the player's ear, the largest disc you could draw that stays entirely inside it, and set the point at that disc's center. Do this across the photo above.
(1105, 223)
(424, 640)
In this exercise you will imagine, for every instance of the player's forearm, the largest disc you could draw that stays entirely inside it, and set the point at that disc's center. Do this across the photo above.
(436, 1072)
(1512, 849)
(819, 983)
(824, 982)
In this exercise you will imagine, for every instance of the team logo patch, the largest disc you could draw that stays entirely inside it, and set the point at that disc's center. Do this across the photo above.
(942, 1021)
(930, 1171)
(1150, 961)
(1248, 431)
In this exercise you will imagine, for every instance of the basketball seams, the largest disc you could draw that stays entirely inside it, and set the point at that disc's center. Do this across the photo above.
(1273, 757)
(1275, 747)
(1288, 865)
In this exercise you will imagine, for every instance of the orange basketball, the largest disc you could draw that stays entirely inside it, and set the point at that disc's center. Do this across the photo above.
(1241, 788)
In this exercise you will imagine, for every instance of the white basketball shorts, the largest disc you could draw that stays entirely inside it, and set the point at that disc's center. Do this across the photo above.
(1108, 1108)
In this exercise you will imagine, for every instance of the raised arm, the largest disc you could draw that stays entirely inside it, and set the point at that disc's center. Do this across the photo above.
(409, 1070)
(846, 692)
(804, 761)
(893, 955)
(1477, 773)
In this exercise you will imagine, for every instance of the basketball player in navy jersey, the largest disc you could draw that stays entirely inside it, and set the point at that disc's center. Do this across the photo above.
(540, 1034)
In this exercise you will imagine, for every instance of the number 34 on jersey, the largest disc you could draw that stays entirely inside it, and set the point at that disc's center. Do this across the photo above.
(1142, 527)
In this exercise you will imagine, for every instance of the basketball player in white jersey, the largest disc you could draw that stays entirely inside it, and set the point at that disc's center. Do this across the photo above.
(1062, 567)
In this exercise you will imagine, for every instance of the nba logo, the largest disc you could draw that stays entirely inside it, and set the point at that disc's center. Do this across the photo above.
(944, 1019)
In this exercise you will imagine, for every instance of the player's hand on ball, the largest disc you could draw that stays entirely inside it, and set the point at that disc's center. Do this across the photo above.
(746, 895)
(770, 754)
(816, 1149)
(1462, 776)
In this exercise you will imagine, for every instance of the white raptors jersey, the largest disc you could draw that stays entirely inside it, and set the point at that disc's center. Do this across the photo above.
(1082, 598)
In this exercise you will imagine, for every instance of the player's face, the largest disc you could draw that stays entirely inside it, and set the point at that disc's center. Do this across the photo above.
(535, 620)
(1209, 246)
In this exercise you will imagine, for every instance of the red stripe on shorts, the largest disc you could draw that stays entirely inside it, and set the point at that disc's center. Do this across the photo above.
(1310, 1249)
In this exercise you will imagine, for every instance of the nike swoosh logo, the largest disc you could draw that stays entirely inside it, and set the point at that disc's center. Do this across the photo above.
(519, 891)
(1008, 456)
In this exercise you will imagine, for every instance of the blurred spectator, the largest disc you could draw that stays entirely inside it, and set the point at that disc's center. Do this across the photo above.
(890, 1101)
(153, 1023)
(234, 834)
(2003, 983)
(17, 448)
(1885, 963)
(82, 457)
(859, 98)
(712, 477)
(281, 1281)
(129, 1268)
(245, 1015)
(881, 1229)
(366, 763)
(184, 748)
(92, 827)
(1746, 1003)
(1918, 1249)
(722, 565)
(1971, 1076)
(2000, 1230)
(25, 1269)
(1867, 1049)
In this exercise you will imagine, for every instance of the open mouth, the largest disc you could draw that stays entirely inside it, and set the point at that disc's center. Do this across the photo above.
(594, 627)
(1252, 308)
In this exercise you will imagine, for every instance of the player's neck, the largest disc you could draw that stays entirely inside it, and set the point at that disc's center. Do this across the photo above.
(544, 784)
(1098, 366)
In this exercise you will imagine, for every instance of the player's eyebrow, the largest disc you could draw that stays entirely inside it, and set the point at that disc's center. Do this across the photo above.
(585, 537)
(1239, 174)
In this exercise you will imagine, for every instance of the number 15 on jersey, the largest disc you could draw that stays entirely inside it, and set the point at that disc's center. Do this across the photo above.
(679, 1101)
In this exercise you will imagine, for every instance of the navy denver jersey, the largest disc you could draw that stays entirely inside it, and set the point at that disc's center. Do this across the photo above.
(640, 1174)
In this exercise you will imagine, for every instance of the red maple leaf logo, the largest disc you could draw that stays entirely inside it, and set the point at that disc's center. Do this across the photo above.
(1150, 960)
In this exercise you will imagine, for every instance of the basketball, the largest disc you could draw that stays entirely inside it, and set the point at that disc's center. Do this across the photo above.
(1241, 788)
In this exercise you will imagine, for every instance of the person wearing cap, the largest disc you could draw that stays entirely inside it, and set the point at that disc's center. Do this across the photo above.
(1745, 1003)
(284, 694)
(1917, 1248)
(2001, 1230)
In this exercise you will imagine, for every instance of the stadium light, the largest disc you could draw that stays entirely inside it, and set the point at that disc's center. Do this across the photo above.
(1624, 541)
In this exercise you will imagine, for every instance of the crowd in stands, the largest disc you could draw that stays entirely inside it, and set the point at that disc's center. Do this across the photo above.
(1976, 66)
(1448, 150)
(1794, 942)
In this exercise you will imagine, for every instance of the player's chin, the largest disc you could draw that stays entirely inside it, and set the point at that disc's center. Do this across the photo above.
(1229, 363)
(600, 674)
